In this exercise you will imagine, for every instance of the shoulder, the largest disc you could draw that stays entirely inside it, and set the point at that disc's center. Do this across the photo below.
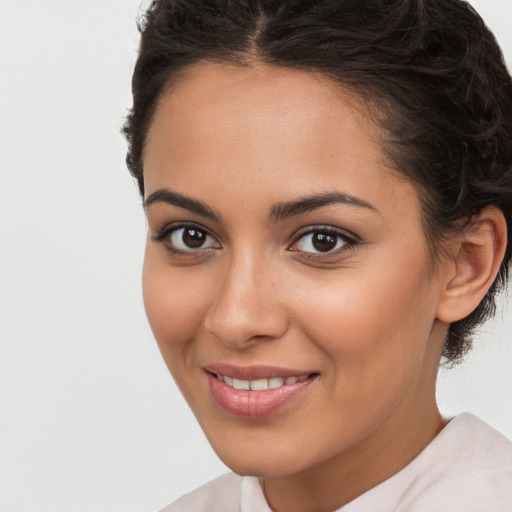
(219, 495)
(474, 464)
(478, 444)
(468, 466)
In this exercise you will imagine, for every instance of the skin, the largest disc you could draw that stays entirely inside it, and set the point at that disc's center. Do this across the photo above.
(368, 317)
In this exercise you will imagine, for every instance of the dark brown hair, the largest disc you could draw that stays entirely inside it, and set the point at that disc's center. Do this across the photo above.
(430, 68)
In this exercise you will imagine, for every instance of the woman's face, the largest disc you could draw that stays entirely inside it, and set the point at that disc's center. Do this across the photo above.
(287, 278)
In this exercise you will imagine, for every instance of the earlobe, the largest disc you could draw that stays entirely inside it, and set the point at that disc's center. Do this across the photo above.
(476, 262)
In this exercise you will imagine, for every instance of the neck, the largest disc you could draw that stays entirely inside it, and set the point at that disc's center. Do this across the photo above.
(390, 447)
(337, 481)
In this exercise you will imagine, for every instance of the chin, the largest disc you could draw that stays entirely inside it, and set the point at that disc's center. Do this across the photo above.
(275, 460)
(269, 468)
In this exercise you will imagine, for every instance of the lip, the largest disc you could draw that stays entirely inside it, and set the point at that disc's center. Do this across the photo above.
(255, 404)
(254, 372)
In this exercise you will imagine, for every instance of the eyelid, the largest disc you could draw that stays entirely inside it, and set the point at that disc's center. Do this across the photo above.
(343, 233)
(164, 234)
(350, 240)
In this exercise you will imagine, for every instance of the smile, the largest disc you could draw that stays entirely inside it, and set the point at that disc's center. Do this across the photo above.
(256, 392)
(260, 384)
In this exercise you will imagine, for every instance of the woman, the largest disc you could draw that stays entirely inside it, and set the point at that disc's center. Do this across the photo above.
(328, 188)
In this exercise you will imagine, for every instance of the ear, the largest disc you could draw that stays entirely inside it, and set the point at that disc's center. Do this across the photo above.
(474, 263)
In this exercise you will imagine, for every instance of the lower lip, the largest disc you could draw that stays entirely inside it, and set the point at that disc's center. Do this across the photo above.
(254, 404)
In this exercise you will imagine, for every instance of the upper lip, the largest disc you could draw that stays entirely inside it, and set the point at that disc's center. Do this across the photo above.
(253, 372)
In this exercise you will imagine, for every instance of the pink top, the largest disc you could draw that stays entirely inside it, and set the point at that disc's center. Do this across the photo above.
(466, 468)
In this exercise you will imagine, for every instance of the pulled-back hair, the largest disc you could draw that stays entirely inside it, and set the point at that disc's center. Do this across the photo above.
(431, 71)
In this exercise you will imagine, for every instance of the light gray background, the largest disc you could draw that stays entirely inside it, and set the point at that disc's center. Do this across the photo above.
(89, 418)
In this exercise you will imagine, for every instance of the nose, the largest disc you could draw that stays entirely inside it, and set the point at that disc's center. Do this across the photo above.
(246, 307)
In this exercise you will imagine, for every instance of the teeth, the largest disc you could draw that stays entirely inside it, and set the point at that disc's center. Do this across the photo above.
(241, 384)
(260, 384)
(275, 382)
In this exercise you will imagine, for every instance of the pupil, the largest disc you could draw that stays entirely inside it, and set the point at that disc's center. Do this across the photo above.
(193, 238)
(324, 242)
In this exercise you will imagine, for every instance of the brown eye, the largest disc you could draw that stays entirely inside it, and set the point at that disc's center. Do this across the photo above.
(193, 238)
(322, 241)
(190, 239)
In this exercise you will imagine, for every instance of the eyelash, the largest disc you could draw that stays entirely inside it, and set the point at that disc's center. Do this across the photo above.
(164, 235)
(349, 241)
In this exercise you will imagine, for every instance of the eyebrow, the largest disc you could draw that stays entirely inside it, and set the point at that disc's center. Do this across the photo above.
(165, 195)
(281, 211)
(278, 212)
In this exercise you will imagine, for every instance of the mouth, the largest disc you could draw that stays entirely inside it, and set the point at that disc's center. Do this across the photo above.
(260, 384)
(257, 391)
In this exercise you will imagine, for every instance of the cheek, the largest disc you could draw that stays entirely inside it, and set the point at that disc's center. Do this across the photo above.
(373, 335)
(174, 305)
(367, 324)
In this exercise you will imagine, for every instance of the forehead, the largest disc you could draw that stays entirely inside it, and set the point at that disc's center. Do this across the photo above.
(270, 95)
(274, 130)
